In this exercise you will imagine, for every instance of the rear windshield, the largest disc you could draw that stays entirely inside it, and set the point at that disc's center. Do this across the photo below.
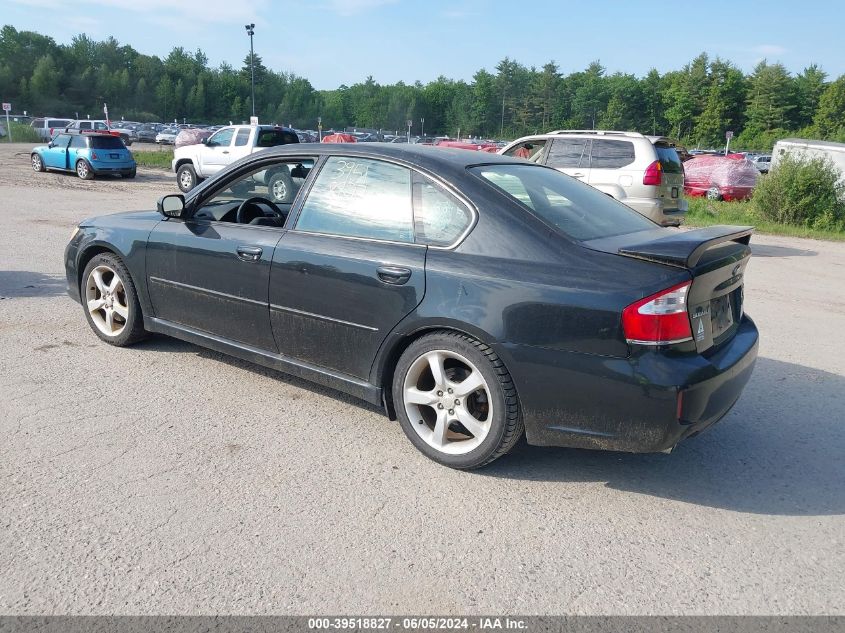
(106, 142)
(669, 159)
(575, 209)
(271, 138)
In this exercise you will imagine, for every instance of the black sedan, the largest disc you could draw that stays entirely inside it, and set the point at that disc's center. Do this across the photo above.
(475, 297)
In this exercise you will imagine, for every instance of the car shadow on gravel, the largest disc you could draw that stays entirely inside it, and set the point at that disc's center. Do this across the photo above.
(21, 283)
(770, 250)
(167, 344)
(781, 451)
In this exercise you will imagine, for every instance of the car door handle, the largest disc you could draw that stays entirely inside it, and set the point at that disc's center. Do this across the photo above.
(249, 253)
(225, 151)
(395, 275)
(578, 175)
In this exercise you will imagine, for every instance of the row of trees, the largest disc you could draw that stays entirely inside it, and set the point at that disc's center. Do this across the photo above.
(696, 104)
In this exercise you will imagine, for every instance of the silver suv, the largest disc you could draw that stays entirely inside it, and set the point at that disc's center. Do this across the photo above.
(644, 172)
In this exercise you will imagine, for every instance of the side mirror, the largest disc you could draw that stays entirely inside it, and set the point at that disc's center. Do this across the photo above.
(172, 205)
(50, 144)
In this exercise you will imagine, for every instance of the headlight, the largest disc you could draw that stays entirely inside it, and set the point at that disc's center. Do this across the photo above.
(73, 234)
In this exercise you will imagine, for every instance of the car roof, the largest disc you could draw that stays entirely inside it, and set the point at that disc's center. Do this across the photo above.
(425, 156)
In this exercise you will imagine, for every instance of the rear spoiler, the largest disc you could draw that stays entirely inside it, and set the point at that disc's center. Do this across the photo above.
(686, 248)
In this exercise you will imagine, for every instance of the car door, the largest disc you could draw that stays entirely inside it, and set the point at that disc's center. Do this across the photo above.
(75, 151)
(349, 270)
(214, 156)
(210, 273)
(55, 156)
(611, 163)
(571, 156)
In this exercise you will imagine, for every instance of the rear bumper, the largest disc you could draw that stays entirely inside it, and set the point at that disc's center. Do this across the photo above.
(645, 403)
(658, 210)
(112, 168)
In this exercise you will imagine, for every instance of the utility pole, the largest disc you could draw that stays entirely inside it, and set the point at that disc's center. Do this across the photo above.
(422, 126)
(250, 30)
(502, 129)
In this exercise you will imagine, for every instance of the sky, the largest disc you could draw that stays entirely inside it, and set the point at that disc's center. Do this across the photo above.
(334, 42)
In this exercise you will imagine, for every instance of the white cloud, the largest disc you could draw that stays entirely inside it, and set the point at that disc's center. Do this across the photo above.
(352, 7)
(769, 49)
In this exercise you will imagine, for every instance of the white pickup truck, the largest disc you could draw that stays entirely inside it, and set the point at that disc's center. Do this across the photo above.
(193, 163)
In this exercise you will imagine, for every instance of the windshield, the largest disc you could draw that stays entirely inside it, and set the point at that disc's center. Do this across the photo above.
(669, 159)
(575, 209)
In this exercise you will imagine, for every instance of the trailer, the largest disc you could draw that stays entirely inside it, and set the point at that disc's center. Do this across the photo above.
(835, 152)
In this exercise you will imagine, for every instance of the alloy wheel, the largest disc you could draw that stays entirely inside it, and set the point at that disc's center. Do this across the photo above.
(105, 298)
(82, 169)
(36, 162)
(448, 402)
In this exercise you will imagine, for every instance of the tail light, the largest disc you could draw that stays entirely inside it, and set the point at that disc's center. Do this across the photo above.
(653, 174)
(94, 155)
(660, 318)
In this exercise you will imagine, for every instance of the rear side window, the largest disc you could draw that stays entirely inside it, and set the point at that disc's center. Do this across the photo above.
(271, 138)
(568, 152)
(573, 208)
(669, 159)
(529, 150)
(242, 138)
(357, 197)
(54, 123)
(439, 217)
(38, 124)
(106, 142)
(611, 154)
(85, 125)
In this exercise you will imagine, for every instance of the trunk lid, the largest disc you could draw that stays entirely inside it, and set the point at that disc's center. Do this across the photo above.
(715, 257)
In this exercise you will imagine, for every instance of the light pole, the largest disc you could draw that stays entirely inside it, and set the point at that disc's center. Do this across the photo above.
(250, 30)
(422, 126)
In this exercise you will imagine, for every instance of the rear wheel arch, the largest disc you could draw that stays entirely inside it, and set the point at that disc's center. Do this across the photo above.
(388, 358)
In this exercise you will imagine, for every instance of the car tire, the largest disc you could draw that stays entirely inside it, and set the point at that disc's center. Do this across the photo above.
(131, 174)
(280, 187)
(186, 178)
(482, 424)
(83, 170)
(37, 163)
(714, 194)
(110, 301)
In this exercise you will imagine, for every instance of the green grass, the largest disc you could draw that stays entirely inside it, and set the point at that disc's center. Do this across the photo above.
(703, 212)
(153, 158)
(21, 133)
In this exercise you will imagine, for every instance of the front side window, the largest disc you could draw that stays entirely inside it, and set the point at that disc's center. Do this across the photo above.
(439, 217)
(77, 141)
(358, 197)
(85, 125)
(575, 209)
(222, 138)
(274, 185)
(568, 152)
(100, 126)
(61, 140)
(612, 154)
(529, 150)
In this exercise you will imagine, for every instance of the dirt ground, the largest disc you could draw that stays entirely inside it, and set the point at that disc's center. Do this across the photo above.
(166, 478)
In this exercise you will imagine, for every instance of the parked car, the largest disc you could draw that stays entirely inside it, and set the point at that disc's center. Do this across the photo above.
(762, 162)
(193, 163)
(88, 154)
(720, 177)
(148, 131)
(167, 136)
(47, 127)
(191, 136)
(98, 125)
(475, 297)
(643, 172)
(339, 137)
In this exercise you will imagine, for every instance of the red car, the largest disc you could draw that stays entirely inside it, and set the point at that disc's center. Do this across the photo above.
(476, 147)
(720, 177)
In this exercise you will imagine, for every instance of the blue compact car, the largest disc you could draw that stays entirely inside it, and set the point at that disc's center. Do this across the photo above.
(88, 155)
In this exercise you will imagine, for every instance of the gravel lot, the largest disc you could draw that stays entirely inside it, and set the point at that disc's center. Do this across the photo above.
(170, 479)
